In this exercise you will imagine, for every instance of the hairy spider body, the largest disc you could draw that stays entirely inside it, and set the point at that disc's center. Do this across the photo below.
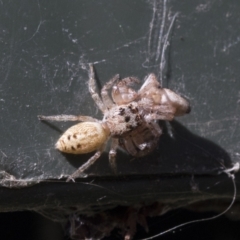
(122, 119)
(129, 119)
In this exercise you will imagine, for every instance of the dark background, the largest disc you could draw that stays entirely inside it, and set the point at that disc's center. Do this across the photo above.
(45, 48)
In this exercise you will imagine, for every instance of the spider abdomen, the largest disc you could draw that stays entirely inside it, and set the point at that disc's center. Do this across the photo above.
(84, 137)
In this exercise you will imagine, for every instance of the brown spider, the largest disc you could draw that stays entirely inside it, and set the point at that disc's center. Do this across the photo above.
(129, 119)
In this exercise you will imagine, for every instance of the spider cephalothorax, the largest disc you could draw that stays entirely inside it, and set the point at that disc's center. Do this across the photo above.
(129, 119)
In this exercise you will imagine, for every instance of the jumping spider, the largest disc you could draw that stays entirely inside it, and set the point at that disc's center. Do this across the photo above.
(129, 119)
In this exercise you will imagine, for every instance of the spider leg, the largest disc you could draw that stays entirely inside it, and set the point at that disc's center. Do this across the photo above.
(150, 84)
(167, 116)
(89, 163)
(156, 130)
(145, 134)
(142, 140)
(170, 129)
(122, 93)
(107, 101)
(66, 118)
(93, 89)
(112, 154)
(157, 112)
(127, 144)
(128, 81)
(148, 143)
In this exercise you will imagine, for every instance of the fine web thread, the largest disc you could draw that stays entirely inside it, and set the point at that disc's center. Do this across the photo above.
(227, 171)
(234, 169)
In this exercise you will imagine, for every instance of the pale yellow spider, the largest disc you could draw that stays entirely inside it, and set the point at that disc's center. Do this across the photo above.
(129, 119)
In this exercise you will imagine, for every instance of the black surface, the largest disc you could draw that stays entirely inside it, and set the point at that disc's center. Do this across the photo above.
(27, 225)
(45, 50)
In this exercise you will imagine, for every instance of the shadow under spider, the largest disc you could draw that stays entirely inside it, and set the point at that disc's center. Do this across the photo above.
(182, 153)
